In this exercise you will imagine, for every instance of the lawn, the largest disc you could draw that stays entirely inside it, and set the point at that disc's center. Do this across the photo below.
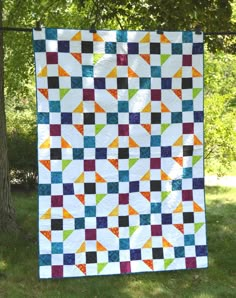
(19, 273)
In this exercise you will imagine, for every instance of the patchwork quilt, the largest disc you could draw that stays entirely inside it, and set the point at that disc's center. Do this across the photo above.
(120, 152)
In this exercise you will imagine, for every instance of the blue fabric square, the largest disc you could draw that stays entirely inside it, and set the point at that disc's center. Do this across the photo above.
(57, 248)
(87, 71)
(101, 153)
(99, 83)
(63, 46)
(198, 116)
(197, 48)
(89, 142)
(112, 187)
(166, 83)
(121, 36)
(189, 240)
(51, 33)
(134, 186)
(133, 48)
(123, 176)
(201, 250)
(101, 222)
(45, 260)
(135, 254)
(112, 118)
(176, 117)
(76, 83)
(44, 189)
(155, 141)
(145, 219)
(68, 189)
(187, 173)
(55, 106)
(39, 46)
(43, 118)
(155, 207)
(177, 184)
(134, 118)
(144, 152)
(156, 71)
(177, 48)
(123, 106)
(113, 256)
(187, 105)
(110, 47)
(90, 211)
(124, 243)
(198, 183)
(179, 252)
(145, 83)
(79, 223)
(166, 219)
(78, 153)
(69, 259)
(56, 177)
(166, 151)
(187, 37)
(66, 118)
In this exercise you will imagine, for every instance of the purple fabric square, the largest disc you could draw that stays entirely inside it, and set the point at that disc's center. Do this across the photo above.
(52, 58)
(190, 263)
(123, 130)
(55, 130)
(88, 94)
(89, 165)
(188, 128)
(57, 271)
(123, 198)
(133, 48)
(156, 230)
(187, 195)
(155, 163)
(201, 250)
(99, 83)
(90, 234)
(135, 254)
(122, 59)
(155, 94)
(56, 201)
(125, 267)
(187, 60)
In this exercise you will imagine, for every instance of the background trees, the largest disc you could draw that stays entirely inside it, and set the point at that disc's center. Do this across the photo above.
(211, 15)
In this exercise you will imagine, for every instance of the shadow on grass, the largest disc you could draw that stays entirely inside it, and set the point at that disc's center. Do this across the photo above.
(19, 276)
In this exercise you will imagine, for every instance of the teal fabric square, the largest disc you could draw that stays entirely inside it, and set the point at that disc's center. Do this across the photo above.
(187, 173)
(89, 142)
(177, 184)
(124, 243)
(51, 33)
(123, 176)
(155, 141)
(57, 248)
(55, 106)
(187, 37)
(56, 177)
(189, 240)
(145, 219)
(121, 36)
(145, 83)
(176, 117)
(187, 105)
(43, 118)
(90, 211)
(87, 71)
(123, 106)
(155, 207)
(156, 71)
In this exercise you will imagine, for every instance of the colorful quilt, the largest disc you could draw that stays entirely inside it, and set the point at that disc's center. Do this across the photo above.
(120, 151)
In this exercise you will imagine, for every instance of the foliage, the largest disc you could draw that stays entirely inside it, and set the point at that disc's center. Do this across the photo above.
(18, 262)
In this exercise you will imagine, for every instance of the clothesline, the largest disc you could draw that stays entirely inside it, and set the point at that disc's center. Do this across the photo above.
(38, 28)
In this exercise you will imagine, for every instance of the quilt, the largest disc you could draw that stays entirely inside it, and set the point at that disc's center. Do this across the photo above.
(120, 151)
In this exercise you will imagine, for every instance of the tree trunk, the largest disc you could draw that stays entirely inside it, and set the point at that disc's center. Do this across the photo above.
(7, 213)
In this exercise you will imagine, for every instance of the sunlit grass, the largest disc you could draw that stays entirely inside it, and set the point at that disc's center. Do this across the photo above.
(19, 265)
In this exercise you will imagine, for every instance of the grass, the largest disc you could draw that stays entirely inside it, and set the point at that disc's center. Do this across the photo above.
(19, 273)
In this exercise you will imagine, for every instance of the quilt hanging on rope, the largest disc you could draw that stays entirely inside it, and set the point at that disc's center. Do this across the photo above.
(120, 152)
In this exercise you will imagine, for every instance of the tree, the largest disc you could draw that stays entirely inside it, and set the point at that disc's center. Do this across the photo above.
(7, 217)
